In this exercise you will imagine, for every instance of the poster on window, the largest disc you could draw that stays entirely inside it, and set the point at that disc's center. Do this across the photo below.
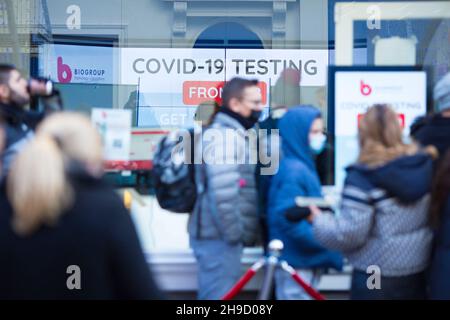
(78, 64)
(356, 90)
(174, 82)
(114, 126)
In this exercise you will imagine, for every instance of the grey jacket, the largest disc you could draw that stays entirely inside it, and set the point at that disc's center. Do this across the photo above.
(226, 206)
(383, 219)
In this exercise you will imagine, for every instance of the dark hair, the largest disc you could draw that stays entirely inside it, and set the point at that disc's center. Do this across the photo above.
(235, 88)
(441, 189)
(5, 72)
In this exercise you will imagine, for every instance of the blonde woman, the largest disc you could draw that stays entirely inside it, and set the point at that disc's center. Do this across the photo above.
(65, 234)
(383, 225)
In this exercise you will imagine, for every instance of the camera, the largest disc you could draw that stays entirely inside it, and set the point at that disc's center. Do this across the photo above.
(44, 94)
(41, 87)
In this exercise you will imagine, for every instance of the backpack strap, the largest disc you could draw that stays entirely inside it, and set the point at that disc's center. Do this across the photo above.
(201, 183)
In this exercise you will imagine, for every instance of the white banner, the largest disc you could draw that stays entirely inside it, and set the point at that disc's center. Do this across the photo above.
(173, 82)
(355, 91)
(267, 65)
(78, 64)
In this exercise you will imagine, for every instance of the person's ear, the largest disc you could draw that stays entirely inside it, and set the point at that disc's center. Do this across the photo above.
(4, 92)
(234, 105)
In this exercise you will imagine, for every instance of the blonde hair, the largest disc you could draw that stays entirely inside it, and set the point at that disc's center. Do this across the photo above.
(37, 185)
(380, 137)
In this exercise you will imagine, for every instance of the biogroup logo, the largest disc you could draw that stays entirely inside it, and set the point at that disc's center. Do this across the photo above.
(365, 89)
(64, 71)
(67, 74)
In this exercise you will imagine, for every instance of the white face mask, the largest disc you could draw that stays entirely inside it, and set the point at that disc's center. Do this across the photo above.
(317, 143)
(406, 139)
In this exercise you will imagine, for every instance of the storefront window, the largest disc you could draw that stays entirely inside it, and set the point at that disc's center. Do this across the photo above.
(162, 59)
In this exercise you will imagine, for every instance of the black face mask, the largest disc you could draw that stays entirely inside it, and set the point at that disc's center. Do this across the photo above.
(255, 115)
(246, 122)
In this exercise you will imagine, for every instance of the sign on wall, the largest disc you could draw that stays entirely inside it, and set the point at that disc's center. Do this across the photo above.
(78, 64)
(175, 81)
(356, 89)
(172, 82)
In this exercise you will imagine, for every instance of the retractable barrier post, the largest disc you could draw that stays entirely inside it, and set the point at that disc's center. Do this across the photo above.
(275, 248)
(272, 262)
(244, 280)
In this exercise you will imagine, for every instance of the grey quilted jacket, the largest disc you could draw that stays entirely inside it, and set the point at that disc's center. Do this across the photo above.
(226, 206)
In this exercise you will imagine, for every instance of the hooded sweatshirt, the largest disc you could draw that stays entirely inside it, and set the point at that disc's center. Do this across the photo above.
(383, 219)
(297, 176)
(433, 130)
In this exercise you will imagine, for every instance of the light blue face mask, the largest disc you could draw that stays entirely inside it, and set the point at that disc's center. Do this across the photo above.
(317, 143)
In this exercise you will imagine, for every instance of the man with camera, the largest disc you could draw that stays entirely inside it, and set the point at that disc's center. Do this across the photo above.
(19, 123)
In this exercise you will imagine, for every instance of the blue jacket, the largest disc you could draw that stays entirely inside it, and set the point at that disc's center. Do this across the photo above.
(297, 176)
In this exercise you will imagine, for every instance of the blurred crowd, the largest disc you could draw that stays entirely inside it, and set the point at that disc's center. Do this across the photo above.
(58, 215)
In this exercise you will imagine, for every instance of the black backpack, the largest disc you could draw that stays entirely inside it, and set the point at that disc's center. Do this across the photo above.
(173, 173)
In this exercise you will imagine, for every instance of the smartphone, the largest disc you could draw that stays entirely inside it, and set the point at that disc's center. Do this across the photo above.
(322, 203)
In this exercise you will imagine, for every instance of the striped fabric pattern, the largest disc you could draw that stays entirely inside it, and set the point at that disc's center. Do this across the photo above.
(374, 228)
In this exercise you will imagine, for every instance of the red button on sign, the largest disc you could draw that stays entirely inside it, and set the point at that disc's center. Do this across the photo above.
(401, 119)
(196, 92)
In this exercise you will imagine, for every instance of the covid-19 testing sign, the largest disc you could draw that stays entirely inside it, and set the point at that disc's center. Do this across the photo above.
(172, 82)
(175, 81)
(354, 89)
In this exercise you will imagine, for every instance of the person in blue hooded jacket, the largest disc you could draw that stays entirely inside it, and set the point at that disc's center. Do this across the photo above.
(301, 131)
(383, 223)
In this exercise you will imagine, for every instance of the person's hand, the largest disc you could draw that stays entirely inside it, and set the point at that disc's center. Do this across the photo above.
(315, 211)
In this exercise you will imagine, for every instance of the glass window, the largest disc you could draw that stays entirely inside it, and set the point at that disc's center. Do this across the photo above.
(165, 61)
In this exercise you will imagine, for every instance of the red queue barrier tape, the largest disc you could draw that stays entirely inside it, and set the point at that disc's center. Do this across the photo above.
(240, 284)
(313, 293)
(309, 290)
(244, 280)
(250, 273)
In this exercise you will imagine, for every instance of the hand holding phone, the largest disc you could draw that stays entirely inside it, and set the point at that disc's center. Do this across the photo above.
(308, 208)
(313, 201)
(296, 214)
